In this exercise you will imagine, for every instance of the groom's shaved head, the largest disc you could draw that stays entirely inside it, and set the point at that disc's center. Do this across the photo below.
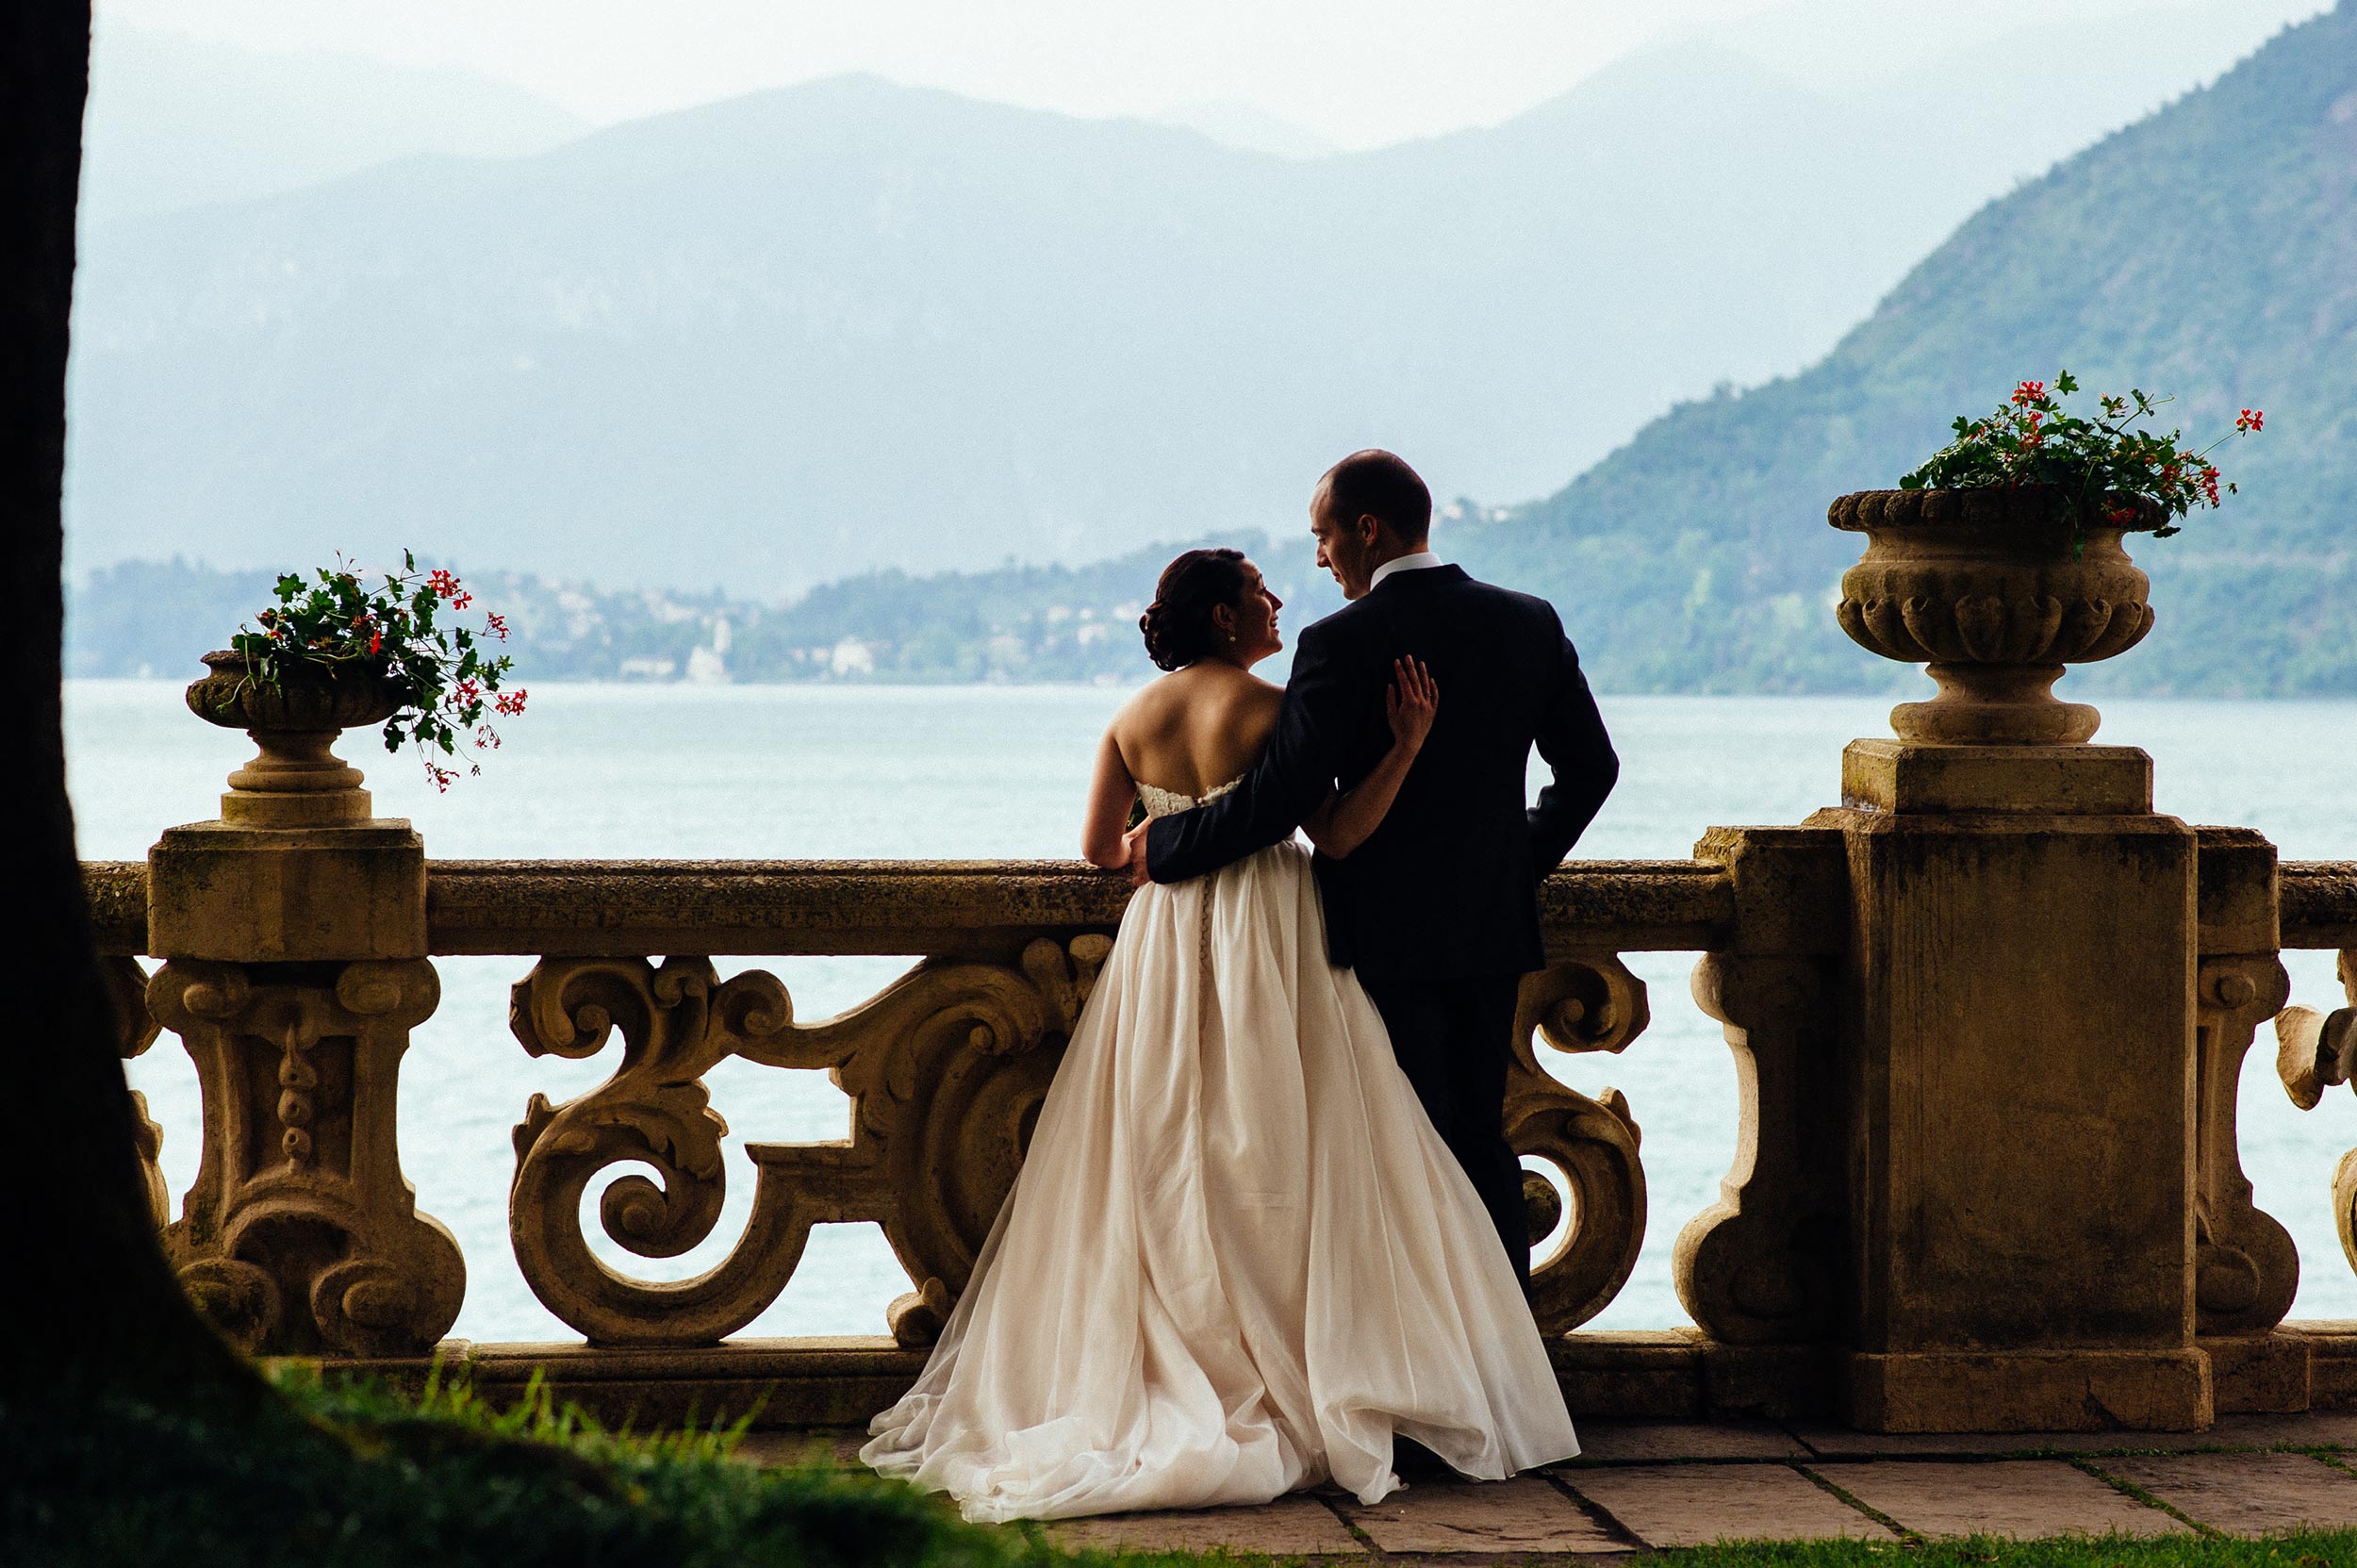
(1381, 484)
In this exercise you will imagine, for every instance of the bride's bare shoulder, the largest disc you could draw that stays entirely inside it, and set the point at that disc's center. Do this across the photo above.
(1156, 697)
(1219, 695)
(1245, 695)
(1153, 710)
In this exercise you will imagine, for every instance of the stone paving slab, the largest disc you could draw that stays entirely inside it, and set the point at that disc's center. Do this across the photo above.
(1523, 1514)
(1697, 1505)
(1680, 1483)
(2246, 1494)
(2308, 1429)
(2025, 1498)
(1660, 1441)
(1296, 1525)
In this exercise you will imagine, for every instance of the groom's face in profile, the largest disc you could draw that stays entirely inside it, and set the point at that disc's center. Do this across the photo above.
(1349, 548)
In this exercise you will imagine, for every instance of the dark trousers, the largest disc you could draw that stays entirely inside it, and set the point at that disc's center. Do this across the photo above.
(1454, 1039)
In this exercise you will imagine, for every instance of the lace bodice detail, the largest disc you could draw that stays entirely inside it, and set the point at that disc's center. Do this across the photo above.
(1169, 803)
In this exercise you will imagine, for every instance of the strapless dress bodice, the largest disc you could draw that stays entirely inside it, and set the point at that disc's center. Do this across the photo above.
(1169, 803)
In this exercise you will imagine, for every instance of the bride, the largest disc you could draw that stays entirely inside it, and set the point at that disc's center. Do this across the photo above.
(1239, 1260)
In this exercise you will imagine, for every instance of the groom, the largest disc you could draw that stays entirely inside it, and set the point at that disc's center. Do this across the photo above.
(1438, 909)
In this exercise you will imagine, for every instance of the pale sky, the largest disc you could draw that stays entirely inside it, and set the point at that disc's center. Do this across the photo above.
(1358, 72)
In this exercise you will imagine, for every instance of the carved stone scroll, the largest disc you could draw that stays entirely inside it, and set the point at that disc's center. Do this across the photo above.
(1763, 1265)
(1580, 1003)
(135, 1031)
(2246, 1266)
(1759, 1266)
(946, 1070)
(2315, 1051)
(301, 1235)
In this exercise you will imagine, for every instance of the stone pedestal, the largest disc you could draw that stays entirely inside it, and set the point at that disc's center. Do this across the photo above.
(288, 894)
(2019, 1067)
(293, 935)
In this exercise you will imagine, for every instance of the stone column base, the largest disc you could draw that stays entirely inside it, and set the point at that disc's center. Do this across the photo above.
(2028, 1391)
(2271, 1374)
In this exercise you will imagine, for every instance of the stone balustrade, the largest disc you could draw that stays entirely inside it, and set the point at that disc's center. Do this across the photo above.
(946, 1070)
(300, 1234)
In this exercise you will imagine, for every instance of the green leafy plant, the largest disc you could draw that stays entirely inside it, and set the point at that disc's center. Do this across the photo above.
(445, 679)
(2092, 464)
(338, 1472)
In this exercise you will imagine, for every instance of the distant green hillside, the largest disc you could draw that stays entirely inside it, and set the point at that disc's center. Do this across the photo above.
(2209, 251)
(1015, 623)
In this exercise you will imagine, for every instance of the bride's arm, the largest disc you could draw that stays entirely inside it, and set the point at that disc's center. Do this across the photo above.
(1349, 820)
(1104, 833)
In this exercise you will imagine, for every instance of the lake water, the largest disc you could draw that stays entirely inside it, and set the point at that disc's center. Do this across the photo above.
(796, 771)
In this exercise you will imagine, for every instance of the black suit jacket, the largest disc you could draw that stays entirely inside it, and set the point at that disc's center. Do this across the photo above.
(1447, 886)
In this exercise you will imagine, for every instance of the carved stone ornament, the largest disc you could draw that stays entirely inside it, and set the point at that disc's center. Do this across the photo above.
(1759, 1266)
(946, 1070)
(1581, 1002)
(2315, 1051)
(1997, 593)
(135, 1031)
(301, 1235)
(2246, 1266)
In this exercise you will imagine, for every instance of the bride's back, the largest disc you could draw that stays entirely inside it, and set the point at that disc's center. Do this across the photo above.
(1196, 727)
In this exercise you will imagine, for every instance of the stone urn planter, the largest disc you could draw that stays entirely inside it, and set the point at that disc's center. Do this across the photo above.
(1997, 594)
(296, 781)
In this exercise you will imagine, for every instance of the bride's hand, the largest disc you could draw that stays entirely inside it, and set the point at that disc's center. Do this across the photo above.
(1413, 703)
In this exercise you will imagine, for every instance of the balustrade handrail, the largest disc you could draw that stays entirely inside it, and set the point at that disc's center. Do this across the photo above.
(2319, 903)
(896, 906)
(944, 907)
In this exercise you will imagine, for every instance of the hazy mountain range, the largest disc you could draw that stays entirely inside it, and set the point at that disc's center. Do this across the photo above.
(2209, 252)
(179, 122)
(850, 325)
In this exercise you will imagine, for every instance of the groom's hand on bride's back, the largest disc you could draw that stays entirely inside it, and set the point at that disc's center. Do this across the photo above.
(1134, 841)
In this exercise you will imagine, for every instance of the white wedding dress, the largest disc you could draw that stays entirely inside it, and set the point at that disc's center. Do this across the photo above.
(1237, 1260)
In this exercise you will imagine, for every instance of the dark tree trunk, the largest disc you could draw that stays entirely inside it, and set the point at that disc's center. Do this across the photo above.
(86, 1302)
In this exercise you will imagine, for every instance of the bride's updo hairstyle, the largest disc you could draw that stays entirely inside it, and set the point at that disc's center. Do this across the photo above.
(1178, 625)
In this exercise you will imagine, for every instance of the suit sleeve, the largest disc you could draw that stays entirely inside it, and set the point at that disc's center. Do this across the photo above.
(1294, 775)
(1571, 739)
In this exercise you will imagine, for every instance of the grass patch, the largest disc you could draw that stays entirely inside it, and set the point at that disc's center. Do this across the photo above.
(355, 1475)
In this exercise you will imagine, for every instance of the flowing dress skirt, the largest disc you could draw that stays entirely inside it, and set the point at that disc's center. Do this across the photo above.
(1237, 1260)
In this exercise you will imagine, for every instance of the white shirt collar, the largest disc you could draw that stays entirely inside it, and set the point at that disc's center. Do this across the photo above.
(1419, 560)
